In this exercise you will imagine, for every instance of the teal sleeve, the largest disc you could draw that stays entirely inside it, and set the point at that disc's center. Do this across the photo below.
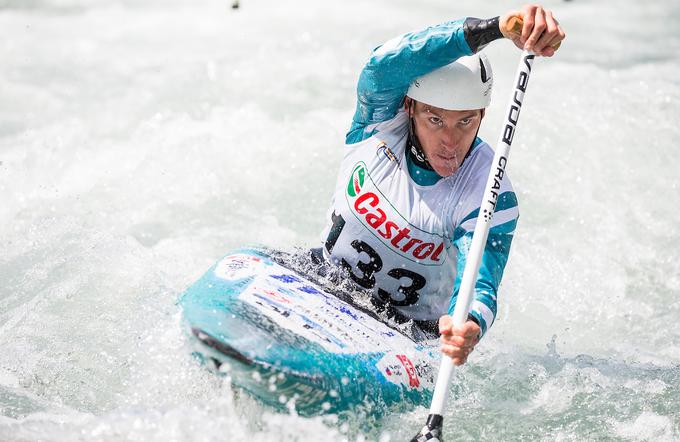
(494, 259)
(393, 66)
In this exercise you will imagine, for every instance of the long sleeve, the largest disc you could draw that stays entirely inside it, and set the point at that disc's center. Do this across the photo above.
(495, 256)
(393, 66)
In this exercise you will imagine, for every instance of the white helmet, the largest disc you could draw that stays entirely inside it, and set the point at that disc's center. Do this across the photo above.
(464, 84)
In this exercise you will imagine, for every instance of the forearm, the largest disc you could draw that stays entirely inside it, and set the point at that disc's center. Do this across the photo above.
(394, 65)
(494, 259)
(481, 32)
(484, 304)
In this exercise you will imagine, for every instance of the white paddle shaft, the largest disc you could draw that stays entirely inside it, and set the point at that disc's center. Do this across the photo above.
(481, 233)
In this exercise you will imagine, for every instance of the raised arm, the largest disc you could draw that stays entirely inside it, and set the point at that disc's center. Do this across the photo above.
(395, 64)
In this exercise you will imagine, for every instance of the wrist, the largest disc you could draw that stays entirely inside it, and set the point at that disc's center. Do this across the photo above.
(481, 32)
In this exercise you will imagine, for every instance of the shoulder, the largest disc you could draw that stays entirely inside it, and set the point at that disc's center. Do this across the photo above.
(472, 179)
(396, 127)
(479, 163)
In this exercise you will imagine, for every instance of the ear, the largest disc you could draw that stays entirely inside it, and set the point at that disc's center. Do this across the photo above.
(409, 105)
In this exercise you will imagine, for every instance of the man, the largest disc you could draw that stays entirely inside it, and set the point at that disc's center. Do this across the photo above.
(414, 172)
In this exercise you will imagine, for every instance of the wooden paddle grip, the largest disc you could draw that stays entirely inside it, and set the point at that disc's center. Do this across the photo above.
(515, 25)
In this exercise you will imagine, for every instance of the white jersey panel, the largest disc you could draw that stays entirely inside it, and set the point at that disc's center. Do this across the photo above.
(393, 235)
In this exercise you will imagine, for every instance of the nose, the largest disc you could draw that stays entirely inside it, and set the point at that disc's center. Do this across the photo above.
(449, 139)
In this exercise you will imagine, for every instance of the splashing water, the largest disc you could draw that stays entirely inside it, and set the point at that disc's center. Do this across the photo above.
(140, 141)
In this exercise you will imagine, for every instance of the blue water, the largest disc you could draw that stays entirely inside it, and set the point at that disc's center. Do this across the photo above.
(141, 140)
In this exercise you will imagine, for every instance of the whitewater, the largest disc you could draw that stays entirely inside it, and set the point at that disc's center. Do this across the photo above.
(140, 141)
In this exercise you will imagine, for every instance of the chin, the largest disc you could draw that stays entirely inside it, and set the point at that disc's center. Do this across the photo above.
(445, 171)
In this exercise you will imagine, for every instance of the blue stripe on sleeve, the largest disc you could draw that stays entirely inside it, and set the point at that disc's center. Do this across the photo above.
(506, 200)
(494, 259)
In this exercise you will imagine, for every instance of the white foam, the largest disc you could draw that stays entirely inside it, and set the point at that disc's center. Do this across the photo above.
(140, 141)
(647, 426)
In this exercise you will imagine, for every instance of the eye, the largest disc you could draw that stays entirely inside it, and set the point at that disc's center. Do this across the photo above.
(436, 121)
(465, 121)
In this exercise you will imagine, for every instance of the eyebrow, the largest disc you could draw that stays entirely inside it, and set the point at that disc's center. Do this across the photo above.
(472, 115)
(440, 112)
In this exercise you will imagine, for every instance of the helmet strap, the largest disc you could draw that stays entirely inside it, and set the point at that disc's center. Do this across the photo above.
(476, 133)
(415, 150)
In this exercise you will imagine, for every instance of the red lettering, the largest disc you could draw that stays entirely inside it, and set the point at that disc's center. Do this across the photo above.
(389, 226)
(437, 251)
(403, 233)
(277, 296)
(410, 371)
(412, 242)
(377, 219)
(423, 250)
(364, 197)
(374, 220)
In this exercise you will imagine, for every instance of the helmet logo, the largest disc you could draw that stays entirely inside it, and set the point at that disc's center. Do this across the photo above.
(482, 68)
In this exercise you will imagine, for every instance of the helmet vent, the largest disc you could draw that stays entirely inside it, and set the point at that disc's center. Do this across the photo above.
(483, 71)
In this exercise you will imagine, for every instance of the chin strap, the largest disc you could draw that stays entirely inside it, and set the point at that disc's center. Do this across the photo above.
(415, 150)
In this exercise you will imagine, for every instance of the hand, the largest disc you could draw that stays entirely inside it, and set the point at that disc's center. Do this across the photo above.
(458, 342)
(541, 32)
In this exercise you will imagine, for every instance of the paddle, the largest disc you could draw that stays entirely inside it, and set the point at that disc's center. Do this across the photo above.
(432, 431)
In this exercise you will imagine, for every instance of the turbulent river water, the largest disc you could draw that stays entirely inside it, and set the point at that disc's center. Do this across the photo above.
(142, 140)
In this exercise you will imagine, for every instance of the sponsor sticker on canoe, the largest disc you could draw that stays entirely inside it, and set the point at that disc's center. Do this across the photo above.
(412, 371)
(298, 305)
(238, 266)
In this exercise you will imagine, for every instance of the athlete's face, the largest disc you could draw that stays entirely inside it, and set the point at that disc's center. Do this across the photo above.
(445, 135)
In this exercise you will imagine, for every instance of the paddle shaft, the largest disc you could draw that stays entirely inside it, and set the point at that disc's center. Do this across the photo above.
(481, 233)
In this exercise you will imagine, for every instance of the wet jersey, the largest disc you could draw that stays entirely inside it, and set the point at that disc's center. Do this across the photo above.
(402, 231)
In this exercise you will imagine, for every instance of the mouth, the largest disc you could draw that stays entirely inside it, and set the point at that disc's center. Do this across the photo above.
(446, 158)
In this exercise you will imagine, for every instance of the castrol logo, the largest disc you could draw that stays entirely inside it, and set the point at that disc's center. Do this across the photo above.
(383, 220)
(356, 180)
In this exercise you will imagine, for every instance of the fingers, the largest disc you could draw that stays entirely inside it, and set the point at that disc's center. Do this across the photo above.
(549, 32)
(550, 37)
(457, 354)
(467, 341)
(539, 25)
(468, 331)
(458, 341)
(528, 16)
(558, 37)
(445, 324)
(541, 32)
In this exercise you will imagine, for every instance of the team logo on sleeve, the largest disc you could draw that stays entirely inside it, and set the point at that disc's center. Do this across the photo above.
(381, 218)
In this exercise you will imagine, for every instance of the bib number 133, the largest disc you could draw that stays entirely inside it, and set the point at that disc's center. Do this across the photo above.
(364, 274)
